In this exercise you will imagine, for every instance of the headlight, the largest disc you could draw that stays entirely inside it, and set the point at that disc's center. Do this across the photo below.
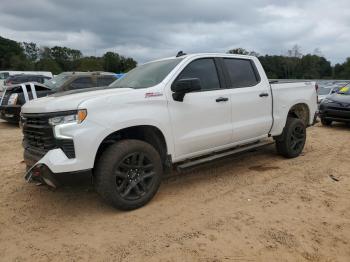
(77, 117)
(13, 99)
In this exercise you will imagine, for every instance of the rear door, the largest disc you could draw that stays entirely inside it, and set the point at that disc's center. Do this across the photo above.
(251, 100)
(202, 121)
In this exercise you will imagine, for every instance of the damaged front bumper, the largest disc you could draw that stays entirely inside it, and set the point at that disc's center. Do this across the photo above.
(42, 174)
(38, 169)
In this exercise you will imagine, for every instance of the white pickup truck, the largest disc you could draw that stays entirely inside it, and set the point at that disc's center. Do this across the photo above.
(174, 112)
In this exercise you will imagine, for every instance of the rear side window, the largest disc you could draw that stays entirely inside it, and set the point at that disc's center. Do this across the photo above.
(205, 70)
(241, 72)
(81, 82)
(105, 80)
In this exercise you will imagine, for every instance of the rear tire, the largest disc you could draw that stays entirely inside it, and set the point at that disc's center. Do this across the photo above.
(128, 174)
(291, 142)
(326, 122)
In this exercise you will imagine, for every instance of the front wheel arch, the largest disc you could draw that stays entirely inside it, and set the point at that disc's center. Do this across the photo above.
(146, 133)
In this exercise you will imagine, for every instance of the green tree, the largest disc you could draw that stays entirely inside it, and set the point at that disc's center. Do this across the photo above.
(342, 71)
(127, 63)
(111, 62)
(48, 64)
(238, 51)
(65, 57)
(19, 62)
(8, 49)
(31, 51)
(90, 64)
(242, 51)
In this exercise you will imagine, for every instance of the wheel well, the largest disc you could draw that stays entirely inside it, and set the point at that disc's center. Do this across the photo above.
(300, 111)
(149, 134)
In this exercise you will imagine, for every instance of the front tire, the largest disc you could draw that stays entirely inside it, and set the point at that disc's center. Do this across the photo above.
(128, 174)
(292, 141)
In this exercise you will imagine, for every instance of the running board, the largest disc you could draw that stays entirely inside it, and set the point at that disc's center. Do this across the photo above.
(236, 150)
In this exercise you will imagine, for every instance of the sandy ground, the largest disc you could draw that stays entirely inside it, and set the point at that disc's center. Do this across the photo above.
(254, 207)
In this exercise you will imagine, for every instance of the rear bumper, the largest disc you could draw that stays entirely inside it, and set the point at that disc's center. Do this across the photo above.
(10, 113)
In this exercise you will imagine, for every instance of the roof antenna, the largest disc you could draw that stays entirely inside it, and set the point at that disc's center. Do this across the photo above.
(180, 53)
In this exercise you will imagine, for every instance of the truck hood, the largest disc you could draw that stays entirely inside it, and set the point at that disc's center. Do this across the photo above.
(68, 100)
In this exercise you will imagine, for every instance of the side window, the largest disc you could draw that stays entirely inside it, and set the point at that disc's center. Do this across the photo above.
(241, 72)
(4, 75)
(203, 69)
(81, 82)
(105, 80)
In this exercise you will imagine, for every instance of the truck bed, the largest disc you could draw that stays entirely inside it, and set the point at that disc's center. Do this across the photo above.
(287, 94)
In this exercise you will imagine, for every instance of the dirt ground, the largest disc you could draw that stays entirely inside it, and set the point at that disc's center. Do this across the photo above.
(253, 207)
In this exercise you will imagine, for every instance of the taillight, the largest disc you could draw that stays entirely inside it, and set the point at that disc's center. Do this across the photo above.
(8, 83)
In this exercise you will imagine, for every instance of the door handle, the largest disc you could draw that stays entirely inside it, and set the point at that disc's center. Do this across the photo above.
(221, 99)
(264, 94)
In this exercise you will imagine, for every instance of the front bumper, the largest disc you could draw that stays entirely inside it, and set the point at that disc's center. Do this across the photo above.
(335, 113)
(86, 138)
(38, 171)
(10, 113)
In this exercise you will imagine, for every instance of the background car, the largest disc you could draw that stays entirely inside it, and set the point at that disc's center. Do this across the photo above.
(5, 74)
(18, 94)
(324, 91)
(22, 78)
(336, 107)
(77, 80)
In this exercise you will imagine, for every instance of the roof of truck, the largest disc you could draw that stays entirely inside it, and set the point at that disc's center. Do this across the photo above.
(88, 73)
(206, 55)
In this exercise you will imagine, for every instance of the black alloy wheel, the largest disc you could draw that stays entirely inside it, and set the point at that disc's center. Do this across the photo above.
(128, 174)
(134, 176)
(297, 138)
(291, 142)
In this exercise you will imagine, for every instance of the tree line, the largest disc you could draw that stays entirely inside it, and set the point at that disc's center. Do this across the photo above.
(29, 57)
(295, 65)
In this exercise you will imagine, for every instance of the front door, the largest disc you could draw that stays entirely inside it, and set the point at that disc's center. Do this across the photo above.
(203, 120)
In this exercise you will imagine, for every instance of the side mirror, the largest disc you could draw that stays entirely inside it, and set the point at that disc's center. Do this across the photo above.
(183, 86)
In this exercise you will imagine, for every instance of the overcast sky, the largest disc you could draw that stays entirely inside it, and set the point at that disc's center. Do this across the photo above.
(150, 29)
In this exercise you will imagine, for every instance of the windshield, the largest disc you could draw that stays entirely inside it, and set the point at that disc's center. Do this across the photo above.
(147, 75)
(57, 81)
(344, 90)
(324, 91)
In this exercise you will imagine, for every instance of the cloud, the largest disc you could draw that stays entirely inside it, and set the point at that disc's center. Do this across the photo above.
(152, 29)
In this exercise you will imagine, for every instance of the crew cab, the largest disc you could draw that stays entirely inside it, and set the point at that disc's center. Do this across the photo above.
(17, 94)
(170, 113)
